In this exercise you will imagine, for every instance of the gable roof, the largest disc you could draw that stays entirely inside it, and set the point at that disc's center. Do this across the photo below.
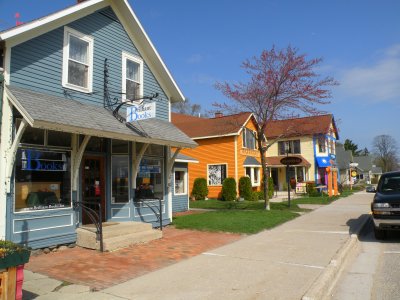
(129, 21)
(343, 157)
(202, 128)
(306, 126)
(364, 163)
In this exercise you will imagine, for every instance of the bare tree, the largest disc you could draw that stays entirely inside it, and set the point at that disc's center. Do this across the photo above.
(281, 83)
(186, 107)
(385, 150)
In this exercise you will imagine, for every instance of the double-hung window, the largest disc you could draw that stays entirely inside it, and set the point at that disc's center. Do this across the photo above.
(292, 147)
(77, 61)
(216, 174)
(132, 77)
(249, 139)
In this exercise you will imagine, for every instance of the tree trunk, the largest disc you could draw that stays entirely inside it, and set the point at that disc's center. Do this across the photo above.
(264, 170)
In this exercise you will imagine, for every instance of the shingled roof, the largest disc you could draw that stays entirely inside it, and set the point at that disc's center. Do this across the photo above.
(300, 126)
(200, 128)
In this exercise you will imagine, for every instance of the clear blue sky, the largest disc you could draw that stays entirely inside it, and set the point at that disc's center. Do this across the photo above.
(204, 41)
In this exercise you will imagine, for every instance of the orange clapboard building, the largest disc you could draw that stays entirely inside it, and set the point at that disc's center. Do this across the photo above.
(226, 148)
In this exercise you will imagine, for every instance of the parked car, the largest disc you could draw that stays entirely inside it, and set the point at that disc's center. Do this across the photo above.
(370, 189)
(386, 204)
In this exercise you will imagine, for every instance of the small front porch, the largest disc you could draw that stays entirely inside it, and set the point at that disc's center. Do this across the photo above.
(116, 235)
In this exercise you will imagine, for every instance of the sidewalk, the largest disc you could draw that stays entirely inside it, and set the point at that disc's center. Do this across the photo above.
(282, 263)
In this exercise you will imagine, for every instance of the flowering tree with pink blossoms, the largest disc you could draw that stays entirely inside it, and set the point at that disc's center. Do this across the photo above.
(281, 84)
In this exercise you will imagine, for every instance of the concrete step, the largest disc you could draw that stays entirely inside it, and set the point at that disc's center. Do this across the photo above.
(111, 229)
(117, 236)
(118, 242)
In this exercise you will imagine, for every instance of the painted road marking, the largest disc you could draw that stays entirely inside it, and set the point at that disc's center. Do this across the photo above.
(213, 254)
(320, 231)
(300, 265)
(391, 252)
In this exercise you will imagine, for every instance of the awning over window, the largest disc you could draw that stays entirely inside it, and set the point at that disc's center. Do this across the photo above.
(66, 115)
(323, 162)
(251, 162)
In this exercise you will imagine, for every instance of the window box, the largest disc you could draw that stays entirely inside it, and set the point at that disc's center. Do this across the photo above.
(12, 255)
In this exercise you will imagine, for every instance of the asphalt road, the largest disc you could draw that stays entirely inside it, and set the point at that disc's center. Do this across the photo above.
(374, 271)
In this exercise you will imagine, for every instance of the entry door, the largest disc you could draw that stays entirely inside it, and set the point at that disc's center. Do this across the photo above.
(93, 186)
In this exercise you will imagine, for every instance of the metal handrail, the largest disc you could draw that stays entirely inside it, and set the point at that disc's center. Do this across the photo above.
(94, 216)
(156, 210)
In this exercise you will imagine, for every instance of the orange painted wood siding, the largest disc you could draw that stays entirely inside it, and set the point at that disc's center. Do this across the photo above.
(211, 151)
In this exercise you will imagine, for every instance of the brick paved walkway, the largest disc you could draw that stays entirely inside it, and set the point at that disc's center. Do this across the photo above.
(101, 270)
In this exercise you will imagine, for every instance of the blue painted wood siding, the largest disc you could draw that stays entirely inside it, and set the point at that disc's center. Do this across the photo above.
(37, 64)
(179, 202)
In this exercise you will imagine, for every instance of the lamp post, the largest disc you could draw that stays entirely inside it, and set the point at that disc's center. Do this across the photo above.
(287, 172)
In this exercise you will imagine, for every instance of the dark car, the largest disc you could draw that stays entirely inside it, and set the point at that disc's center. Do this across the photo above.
(386, 205)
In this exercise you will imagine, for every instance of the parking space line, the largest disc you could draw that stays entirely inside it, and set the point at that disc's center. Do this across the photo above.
(300, 265)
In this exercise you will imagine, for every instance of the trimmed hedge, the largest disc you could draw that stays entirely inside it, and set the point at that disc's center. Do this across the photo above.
(245, 189)
(229, 192)
(200, 189)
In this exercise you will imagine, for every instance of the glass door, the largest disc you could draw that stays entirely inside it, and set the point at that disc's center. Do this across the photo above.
(93, 186)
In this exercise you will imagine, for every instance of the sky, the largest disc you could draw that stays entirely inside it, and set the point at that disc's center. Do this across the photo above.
(205, 41)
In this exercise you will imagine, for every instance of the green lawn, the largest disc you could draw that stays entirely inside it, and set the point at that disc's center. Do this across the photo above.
(235, 221)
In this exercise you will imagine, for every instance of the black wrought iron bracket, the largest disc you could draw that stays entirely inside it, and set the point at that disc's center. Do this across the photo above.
(110, 104)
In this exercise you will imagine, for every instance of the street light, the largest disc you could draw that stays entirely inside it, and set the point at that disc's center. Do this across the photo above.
(287, 171)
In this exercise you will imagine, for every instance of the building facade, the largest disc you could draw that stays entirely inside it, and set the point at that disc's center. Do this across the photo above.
(67, 134)
(226, 148)
(312, 139)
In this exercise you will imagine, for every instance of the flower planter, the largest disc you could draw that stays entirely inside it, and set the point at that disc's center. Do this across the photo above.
(20, 257)
(12, 260)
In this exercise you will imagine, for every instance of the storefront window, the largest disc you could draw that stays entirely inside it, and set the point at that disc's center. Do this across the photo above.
(120, 182)
(149, 182)
(42, 179)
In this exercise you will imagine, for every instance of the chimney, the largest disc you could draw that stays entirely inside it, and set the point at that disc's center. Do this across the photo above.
(218, 114)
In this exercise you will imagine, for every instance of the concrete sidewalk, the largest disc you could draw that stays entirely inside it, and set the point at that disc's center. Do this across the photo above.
(286, 262)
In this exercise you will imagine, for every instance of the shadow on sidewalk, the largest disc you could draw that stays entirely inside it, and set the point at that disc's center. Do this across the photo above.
(355, 224)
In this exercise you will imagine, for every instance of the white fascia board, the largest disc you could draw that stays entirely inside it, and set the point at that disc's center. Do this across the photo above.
(146, 48)
(24, 32)
(186, 161)
(213, 136)
(244, 124)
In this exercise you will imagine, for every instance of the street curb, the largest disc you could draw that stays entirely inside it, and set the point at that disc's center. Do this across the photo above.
(324, 284)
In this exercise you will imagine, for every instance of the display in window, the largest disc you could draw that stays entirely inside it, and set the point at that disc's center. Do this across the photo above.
(42, 180)
(149, 183)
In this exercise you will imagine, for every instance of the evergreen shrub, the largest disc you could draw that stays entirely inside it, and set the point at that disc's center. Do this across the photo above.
(200, 189)
(229, 192)
(245, 189)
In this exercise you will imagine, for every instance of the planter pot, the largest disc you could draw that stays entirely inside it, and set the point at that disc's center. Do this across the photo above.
(15, 259)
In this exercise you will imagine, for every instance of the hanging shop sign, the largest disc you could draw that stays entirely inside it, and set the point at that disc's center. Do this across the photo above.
(34, 160)
(291, 160)
(140, 112)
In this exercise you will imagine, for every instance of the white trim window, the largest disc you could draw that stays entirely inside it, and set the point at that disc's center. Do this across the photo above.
(216, 174)
(254, 174)
(180, 181)
(77, 61)
(249, 138)
(132, 77)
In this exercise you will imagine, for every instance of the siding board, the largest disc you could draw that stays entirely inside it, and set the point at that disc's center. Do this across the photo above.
(39, 61)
